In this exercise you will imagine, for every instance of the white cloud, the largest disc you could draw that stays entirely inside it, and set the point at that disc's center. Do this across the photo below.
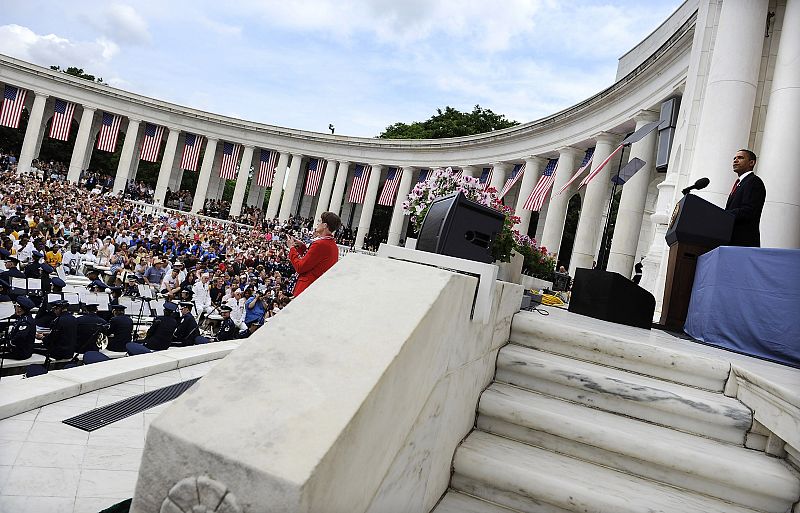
(50, 49)
(123, 24)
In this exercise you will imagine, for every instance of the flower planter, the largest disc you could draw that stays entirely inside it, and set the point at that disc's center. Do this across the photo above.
(511, 271)
(411, 243)
(531, 283)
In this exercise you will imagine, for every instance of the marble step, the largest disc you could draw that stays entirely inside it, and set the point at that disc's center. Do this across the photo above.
(633, 349)
(668, 404)
(533, 480)
(726, 471)
(456, 502)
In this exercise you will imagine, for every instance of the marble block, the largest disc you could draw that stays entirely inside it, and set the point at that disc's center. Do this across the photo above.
(357, 394)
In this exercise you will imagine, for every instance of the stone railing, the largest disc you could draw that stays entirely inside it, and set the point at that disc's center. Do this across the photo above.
(152, 209)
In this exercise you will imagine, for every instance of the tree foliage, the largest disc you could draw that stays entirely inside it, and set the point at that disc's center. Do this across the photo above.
(449, 122)
(78, 72)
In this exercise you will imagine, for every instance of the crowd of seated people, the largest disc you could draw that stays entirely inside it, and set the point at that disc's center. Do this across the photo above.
(196, 270)
(139, 191)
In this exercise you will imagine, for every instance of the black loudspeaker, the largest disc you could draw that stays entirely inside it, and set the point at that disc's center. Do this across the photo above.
(666, 132)
(611, 297)
(458, 227)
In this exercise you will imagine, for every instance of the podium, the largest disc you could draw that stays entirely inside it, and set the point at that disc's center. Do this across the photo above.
(696, 227)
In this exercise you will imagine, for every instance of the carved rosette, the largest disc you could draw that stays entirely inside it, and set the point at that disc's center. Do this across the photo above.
(200, 494)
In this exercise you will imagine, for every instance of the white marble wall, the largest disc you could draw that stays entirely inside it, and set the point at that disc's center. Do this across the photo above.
(352, 400)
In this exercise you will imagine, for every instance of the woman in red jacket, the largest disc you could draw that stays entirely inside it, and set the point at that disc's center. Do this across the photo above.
(312, 262)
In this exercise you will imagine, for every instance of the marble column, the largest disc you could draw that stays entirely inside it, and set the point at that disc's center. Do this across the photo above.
(339, 187)
(471, 171)
(126, 157)
(568, 161)
(780, 220)
(241, 181)
(254, 192)
(499, 175)
(166, 165)
(277, 186)
(622, 256)
(595, 199)
(82, 144)
(533, 170)
(730, 95)
(205, 175)
(32, 133)
(403, 188)
(365, 221)
(291, 187)
(327, 185)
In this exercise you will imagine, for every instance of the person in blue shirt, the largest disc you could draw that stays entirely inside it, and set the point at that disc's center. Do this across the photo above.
(255, 310)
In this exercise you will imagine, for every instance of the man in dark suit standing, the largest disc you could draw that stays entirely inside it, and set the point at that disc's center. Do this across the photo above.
(746, 201)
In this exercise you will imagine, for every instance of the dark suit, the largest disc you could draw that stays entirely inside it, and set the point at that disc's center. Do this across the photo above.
(228, 330)
(21, 338)
(159, 336)
(186, 331)
(88, 327)
(746, 203)
(120, 332)
(62, 339)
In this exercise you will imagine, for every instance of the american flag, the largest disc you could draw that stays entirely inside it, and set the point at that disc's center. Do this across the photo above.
(13, 101)
(62, 120)
(390, 186)
(109, 130)
(458, 172)
(191, 151)
(230, 159)
(516, 174)
(599, 168)
(314, 176)
(360, 178)
(151, 144)
(423, 175)
(266, 168)
(587, 161)
(486, 177)
(539, 193)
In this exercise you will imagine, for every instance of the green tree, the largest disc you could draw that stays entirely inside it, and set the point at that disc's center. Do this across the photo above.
(449, 122)
(78, 72)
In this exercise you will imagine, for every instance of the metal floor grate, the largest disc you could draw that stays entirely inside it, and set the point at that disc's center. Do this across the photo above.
(105, 415)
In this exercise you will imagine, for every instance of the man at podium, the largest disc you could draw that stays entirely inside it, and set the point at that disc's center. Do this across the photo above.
(746, 201)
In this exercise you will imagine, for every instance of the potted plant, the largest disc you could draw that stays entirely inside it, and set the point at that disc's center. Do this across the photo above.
(538, 264)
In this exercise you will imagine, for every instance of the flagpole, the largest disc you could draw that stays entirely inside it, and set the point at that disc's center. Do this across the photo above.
(602, 256)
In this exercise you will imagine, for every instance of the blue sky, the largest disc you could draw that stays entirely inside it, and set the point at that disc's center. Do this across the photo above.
(359, 64)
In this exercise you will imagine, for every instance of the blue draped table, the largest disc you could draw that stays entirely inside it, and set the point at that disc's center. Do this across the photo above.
(748, 300)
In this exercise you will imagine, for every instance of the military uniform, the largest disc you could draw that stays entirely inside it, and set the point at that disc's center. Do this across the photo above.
(120, 332)
(22, 335)
(61, 342)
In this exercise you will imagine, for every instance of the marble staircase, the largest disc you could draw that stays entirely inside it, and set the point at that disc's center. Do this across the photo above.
(584, 422)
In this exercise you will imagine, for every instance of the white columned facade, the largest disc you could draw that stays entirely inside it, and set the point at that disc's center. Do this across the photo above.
(166, 165)
(126, 157)
(325, 192)
(82, 144)
(533, 170)
(241, 181)
(396, 224)
(631, 205)
(583, 253)
(277, 185)
(205, 175)
(780, 221)
(557, 208)
(254, 192)
(339, 187)
(471, 171)
(365, 221)
(730, 95)
(499, 173)
(291, 187)
(33, 131)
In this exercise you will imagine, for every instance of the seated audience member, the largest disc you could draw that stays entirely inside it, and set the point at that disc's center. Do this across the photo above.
(120, 329)
(22, 335)
(159, 336)
(187, 329)
(61, 342)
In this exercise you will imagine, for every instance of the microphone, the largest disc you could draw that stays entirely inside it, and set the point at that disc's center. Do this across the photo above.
(701, 183)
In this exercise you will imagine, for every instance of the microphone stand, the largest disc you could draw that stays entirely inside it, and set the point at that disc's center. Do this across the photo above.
(602, 255)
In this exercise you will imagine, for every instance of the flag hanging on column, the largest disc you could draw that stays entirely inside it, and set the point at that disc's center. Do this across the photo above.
(486, 177)
(587, 161)
(423, 175)
(516, 174)
(151, 142)
(13, 101)
(457, 172)
(109, 131)
(266, 168)
(230, 160)
(191, 151)
(599, 168)
(360, 178)
(390, 186)
(539, 193)
(314, 176)
(62, 120)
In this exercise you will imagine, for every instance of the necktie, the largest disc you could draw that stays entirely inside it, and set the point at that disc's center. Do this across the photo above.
(735, 185)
